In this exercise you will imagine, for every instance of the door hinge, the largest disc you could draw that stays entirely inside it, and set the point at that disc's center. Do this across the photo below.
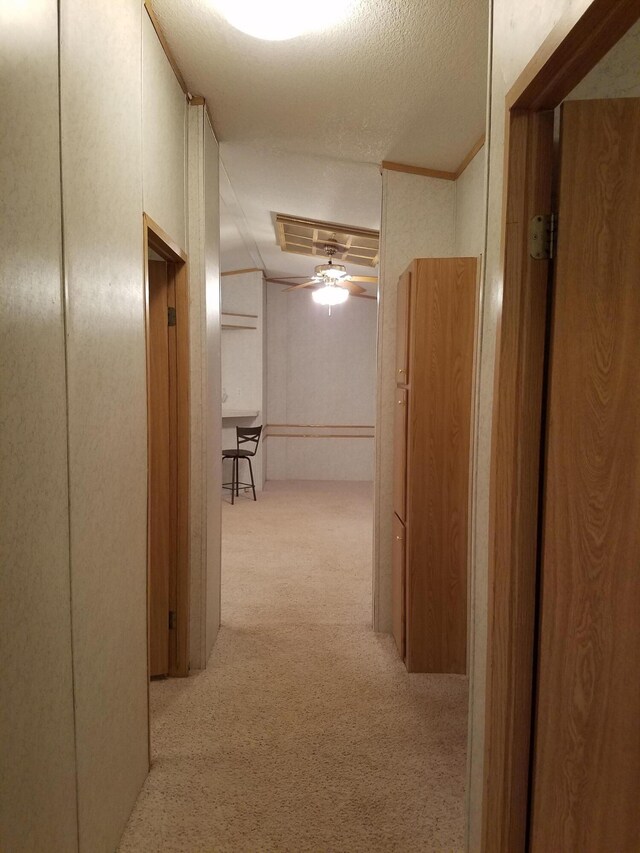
(171, 317)
(542, 232)
(172, 620)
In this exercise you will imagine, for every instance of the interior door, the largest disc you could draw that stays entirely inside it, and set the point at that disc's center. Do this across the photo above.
(586, 761)
(159, 509)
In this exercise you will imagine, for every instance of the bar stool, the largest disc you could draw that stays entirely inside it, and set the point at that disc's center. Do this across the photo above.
(249, 436)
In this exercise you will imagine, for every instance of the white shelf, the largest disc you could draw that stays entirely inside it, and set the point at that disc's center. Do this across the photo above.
(239, 321)
(233, 414)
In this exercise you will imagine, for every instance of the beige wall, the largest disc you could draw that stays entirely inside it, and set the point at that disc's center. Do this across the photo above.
(211, 352)
(321, 369)
(164, 139)
(74, 530)
(204, 287)
(197, 330)
(101, 144)
(37, 779)
(180, 162)
(470, 208)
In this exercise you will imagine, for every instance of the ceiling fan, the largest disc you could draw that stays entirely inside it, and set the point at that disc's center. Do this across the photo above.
(331, 283)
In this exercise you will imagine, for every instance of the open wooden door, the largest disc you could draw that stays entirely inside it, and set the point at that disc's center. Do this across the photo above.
(161, 421)
(168, 455)
(586, 751)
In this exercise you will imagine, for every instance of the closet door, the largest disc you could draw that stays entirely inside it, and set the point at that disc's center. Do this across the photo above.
(443, 302)
(586, 761)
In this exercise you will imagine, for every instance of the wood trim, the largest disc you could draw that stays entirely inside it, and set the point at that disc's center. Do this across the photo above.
(154, 237)
(199, 101)
(321, 426)
(513, 532)
(435, 173)
(238, 272)
(161, 242)
(469, 157)
(172, 334)
(180, 664)
(145, 256)
(368, 233)
(574, 47)
(418, 170)
(308, 435)
(230, 326)
(165, 46)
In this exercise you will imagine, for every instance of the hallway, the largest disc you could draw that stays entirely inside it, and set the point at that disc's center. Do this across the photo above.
(305, 733)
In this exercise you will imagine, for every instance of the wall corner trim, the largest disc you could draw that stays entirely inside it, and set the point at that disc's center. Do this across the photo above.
(165, 46)
(427, 172)
(470, 155)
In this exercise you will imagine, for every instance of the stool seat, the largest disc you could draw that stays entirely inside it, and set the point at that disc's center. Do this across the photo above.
(237, 454)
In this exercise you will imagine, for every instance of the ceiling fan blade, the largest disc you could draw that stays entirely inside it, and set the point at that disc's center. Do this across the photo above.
(287, 281)
(283, 278)
(365, 296)
(354, 289)
(371, 278)
(298, 286)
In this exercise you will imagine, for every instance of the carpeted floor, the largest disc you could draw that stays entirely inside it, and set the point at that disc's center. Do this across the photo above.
(305, 733)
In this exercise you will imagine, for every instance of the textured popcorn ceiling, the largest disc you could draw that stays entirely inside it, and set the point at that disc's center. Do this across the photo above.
(304, 123)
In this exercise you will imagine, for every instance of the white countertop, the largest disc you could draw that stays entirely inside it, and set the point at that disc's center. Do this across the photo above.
(239, 413)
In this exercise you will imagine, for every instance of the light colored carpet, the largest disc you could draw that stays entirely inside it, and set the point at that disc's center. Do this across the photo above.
(305, 733)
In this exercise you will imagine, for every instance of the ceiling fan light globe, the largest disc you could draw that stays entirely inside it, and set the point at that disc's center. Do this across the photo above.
(330, 295)
(279, 20)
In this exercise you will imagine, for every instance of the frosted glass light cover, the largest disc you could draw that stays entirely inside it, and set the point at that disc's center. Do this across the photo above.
(278, 20)
(330, 295)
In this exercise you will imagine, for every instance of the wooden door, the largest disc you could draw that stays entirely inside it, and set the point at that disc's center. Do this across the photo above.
(398, 567)
(159, 510)
(443, 304)
(399, 585)
(400, 454)
(586, 760)
(402, 328)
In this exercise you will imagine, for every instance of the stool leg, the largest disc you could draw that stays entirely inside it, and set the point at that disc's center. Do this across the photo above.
(238, 477)
(233, 481)
(253, 485)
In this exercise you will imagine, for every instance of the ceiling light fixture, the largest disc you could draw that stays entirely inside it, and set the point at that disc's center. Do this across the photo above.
(278, 20)
(330, 295)
(331, 271)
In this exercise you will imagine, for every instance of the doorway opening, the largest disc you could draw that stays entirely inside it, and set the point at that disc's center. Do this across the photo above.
(308, 379)
(167, 325)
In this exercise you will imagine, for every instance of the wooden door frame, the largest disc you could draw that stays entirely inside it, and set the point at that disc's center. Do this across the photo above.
(168, 249)
(577, 43)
